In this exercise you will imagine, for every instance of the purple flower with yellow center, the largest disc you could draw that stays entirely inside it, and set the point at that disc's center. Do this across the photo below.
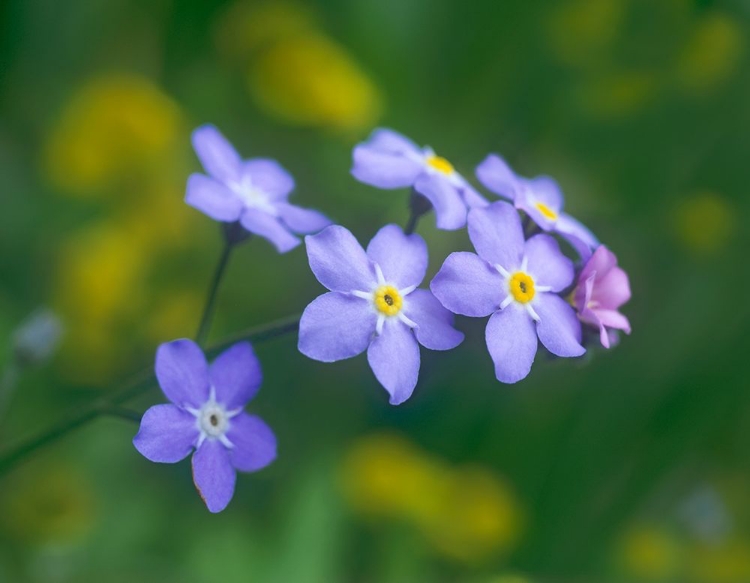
(540, 198)
(374, 304)
(602, 288)
(389, 160)
(516, 282)
(253, 192)
(207, 415)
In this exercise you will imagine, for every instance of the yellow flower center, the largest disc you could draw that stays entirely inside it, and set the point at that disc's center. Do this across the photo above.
(388, 301)
(546, 211)
(522, 287)
(440, 164)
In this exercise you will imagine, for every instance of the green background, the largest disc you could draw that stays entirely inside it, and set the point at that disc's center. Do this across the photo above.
(626, 465)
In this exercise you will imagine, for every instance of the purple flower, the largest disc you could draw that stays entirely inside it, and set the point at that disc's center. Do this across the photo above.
(207, 415)
(516, 281)
(390, 160)
(374, 305)
(540, 198)
(601, 289)
(253, 192)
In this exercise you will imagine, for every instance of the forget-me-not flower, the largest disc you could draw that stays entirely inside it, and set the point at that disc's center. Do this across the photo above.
(253, 192)
(374, 304)
(389, 160)
(602, 288)
(516, 282)
(540, 198)
(207, 415)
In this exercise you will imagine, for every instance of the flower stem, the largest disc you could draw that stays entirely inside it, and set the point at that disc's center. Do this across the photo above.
(418, 206)
(135, 386)
(208, 310)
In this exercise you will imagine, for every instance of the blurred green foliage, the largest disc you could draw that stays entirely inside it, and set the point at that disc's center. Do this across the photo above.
(630, 465)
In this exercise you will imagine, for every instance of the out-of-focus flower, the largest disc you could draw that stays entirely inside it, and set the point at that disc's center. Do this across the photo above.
(310, 80)
(173, 314)
(37, 338)
(618, 94)
(601, 289)
(374, 305)
(711, 54)
(650, 553)
(704, 223)
(49, 505)
(581, 31)
(115, 126)
(389, 160)
(465, 513)
(207, 414)
(253, 192)
(728, 562)
(516, 282)
(540, 198)
(706, 516)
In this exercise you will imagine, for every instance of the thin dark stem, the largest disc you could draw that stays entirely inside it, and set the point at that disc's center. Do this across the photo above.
(411, 225)
(132, 388)
(208, 310)
(122, 413)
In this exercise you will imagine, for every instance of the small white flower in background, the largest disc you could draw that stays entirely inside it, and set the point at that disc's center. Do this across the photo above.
(37, 338)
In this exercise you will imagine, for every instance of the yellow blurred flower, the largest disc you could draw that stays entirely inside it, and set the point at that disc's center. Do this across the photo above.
(650, 553)
(618, 94)
(465, 513)
(580, 31)
(48, 505)
(174, 315)
(711, 54)
(704, 223)
(728, 562)
(310, 80)
(113, 127)
(295, 72)
(248, 26)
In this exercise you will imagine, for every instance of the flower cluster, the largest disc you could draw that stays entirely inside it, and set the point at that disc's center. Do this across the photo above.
(518, 277)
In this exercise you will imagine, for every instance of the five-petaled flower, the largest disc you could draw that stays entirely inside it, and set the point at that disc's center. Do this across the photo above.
(374, 304)
(601, 289)
(253, 192)
(207, 415)
(516, 281)
(389, 160)
(540, 198)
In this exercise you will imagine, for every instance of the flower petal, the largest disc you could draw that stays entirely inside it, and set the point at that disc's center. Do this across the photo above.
(217, 155)
(547, 264)
(612, 290)
(613, 319)
(338, 260)
(577, 234)
(558, 328)
(254, 443)
(182, 372)
(213, 474)
(495, 174)
(386, 140)
(384, 169)
(434, 323)
(450, 210)
(471, 197)
(497, 235)
(212, 198)
(466, 284)
(601, 262)
(269, 176)
(336, 326)
(301, 220)
(402, 258)
(546, 190)
(270, 228)
(511, 342)
(167, 434)
(236, 375)
(394, 358)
